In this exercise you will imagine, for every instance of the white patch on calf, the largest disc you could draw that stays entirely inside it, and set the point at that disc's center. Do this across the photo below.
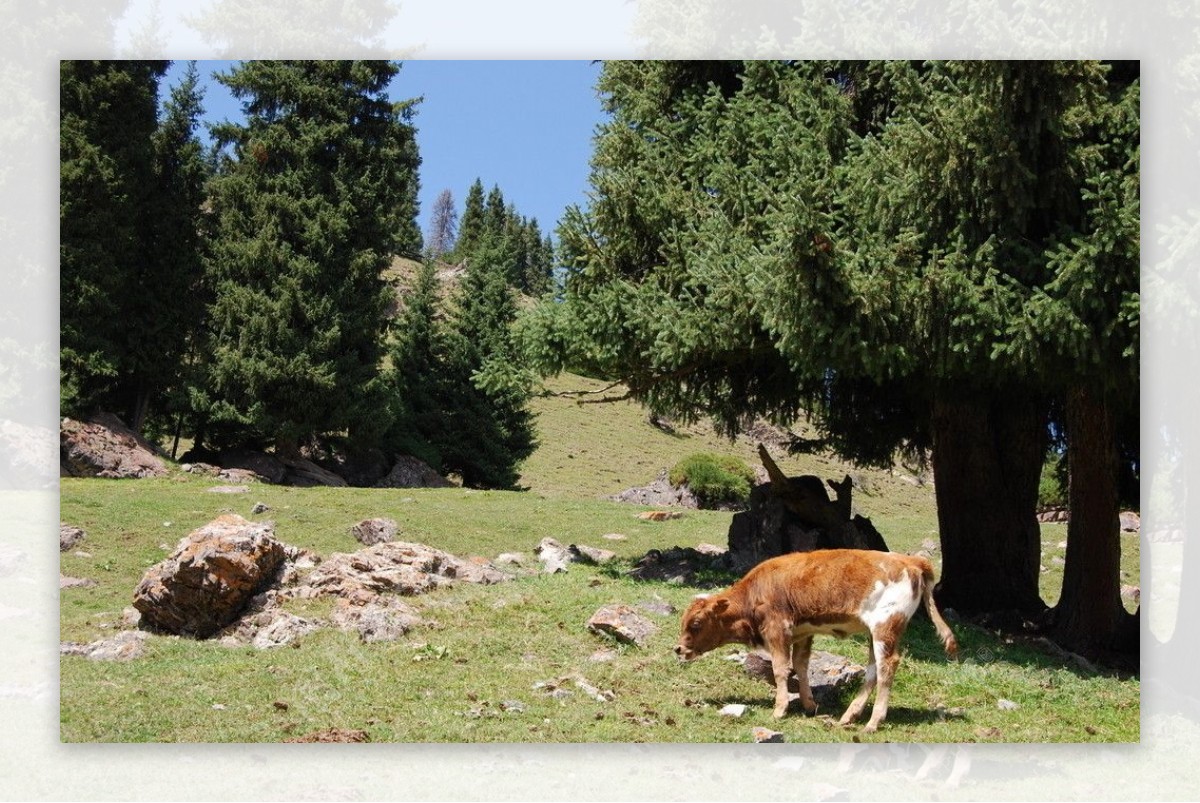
(888, 599)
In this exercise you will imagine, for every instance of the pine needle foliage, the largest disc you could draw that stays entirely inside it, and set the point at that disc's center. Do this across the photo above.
(316, 193)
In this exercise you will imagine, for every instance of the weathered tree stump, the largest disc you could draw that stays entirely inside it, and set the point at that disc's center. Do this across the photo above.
(795, 514)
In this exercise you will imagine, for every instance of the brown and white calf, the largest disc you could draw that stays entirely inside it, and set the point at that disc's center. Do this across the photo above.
(783, 602)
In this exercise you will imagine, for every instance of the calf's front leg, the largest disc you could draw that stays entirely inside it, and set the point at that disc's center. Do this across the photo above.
(779, 644)
(801, 651)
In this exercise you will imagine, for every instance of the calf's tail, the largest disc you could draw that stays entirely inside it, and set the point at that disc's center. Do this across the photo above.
(949, 643)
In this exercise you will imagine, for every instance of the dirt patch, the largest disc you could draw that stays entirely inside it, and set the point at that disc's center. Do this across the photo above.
(331, 735)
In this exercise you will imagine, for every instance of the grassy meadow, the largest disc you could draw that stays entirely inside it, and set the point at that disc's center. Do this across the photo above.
(483, 667)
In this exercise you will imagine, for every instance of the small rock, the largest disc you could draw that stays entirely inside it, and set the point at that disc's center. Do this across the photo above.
(1131, 592)
(615, 537)
(1007, 705)
(590, 554)
(69, 536)
(828, 673)
(259, 507)
(766, 736)
(229, 489)
(74, 582)
(623, 623)
(660, 515)
(553, 555)
(510, 559)
(125, 646)
(658, 606)
(733, 710)
(409, 472)
(600, 696)
(378, 618)
(375, 531)
(552, 688)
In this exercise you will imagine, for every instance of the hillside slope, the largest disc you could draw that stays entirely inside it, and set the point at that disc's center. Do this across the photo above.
(591, 450)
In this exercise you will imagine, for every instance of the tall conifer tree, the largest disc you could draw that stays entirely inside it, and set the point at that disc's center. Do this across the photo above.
(472, 224)
(443, 226)
(903, 250)
(316, 195)
(165, 317)
(108, 116)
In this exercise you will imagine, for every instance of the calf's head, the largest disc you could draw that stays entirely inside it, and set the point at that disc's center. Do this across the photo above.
(702, 628)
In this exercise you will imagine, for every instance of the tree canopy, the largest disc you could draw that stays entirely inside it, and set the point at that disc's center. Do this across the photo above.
(916, 255)
(316, 196)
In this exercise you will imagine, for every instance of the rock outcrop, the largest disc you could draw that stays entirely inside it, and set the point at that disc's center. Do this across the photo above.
(104, 447)
(396, 567)
(207, 581)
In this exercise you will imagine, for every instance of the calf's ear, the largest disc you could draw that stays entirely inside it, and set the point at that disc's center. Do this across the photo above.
(720, 605)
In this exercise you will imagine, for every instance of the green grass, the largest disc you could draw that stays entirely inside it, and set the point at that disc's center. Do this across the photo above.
(471, 674)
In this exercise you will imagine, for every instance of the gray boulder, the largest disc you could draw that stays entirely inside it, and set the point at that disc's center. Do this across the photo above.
(409, 472)
(69, 536)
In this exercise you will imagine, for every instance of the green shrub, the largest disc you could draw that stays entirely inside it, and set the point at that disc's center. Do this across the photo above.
(715, 479)
(1052, 490)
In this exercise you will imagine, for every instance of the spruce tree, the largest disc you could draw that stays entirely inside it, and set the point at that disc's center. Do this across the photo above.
(108, 116)
(901, 250)
(165, 316)
(537, 261)
(461, 405)
(471, 225)
(421, 375)
(317, 192)
(493, 424)
(443, 226)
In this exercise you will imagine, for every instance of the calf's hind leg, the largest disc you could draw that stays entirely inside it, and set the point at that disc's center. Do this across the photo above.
(886, 652)
(860, 700)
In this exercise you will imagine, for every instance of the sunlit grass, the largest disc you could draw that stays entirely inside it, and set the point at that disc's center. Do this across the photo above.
(484, 664)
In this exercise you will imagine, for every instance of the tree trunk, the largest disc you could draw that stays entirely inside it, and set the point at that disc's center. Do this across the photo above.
(1090, 617)
(140, 408)
(987, 459)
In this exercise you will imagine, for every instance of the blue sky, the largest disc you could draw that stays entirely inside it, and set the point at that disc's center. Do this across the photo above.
(525, 126)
